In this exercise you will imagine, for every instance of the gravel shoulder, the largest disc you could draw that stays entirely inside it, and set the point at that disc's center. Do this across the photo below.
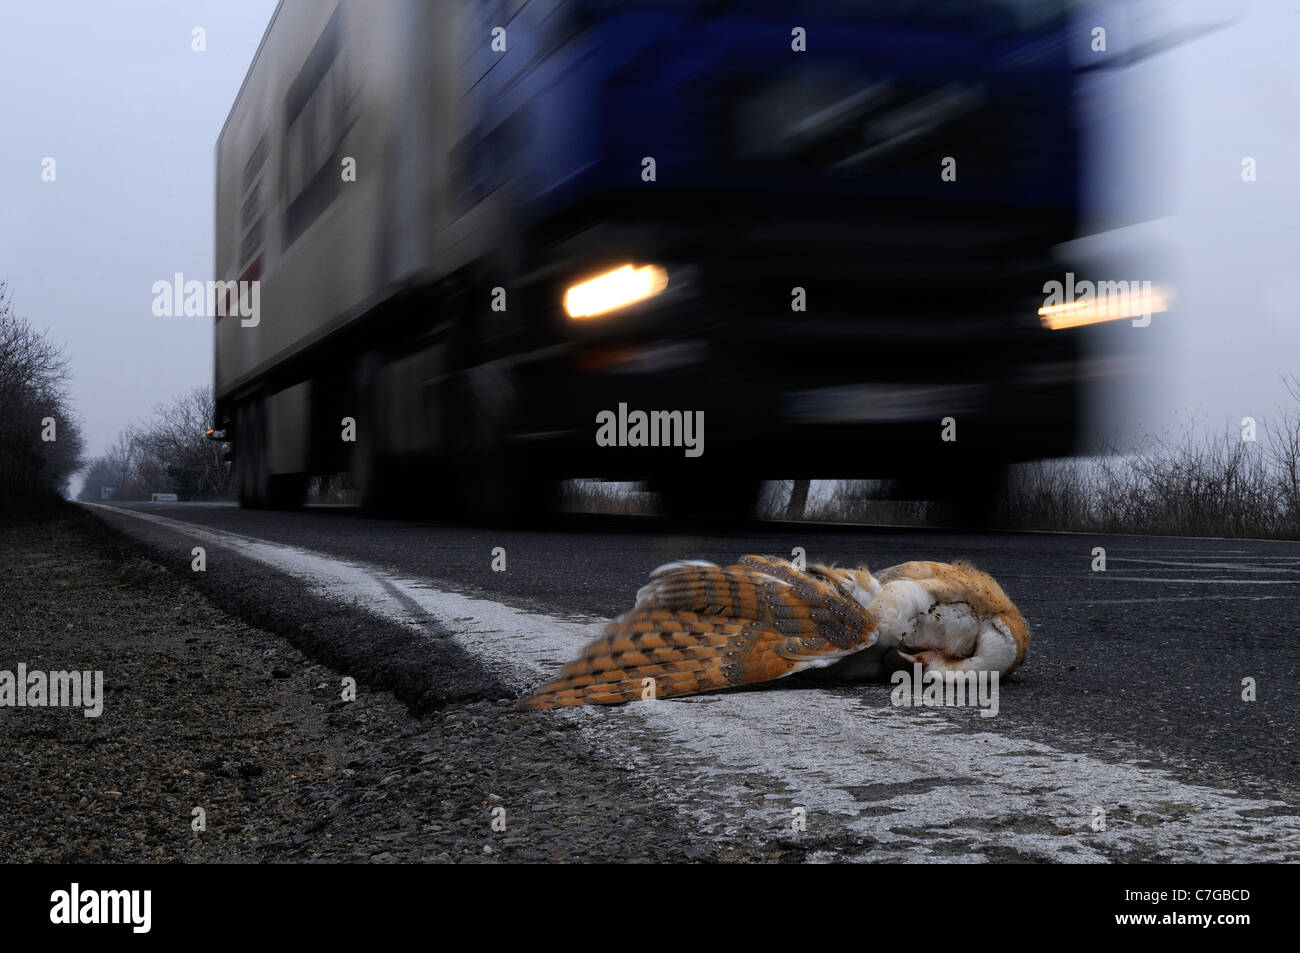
(225, 709)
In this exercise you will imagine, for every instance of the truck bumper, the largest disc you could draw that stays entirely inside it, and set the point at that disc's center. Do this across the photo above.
(800, 398)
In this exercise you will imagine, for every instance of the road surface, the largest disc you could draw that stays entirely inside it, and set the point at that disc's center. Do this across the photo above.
(1125, 737)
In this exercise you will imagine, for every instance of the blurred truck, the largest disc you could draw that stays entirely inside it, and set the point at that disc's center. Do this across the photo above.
(488, 234)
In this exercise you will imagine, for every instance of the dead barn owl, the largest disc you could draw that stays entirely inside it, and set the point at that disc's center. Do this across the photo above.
(698, 627)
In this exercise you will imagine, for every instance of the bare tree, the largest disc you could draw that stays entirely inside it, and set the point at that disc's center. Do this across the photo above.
(175, 442)
(798, 500)
(1284, 455)
(169, 453)
(40, 440)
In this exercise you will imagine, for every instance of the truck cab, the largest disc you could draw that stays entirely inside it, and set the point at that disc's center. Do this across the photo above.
(850, 209)
(816, 234)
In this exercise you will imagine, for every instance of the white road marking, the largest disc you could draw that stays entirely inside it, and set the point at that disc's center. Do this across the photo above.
(1117, 602)
(1230, 567)
(1204, 581)
(877, 783)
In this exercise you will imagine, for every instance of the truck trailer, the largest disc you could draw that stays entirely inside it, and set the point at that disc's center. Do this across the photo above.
(698, 243)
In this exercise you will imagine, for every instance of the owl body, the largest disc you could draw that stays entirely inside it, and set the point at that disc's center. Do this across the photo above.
(952, 617)
(699, 627)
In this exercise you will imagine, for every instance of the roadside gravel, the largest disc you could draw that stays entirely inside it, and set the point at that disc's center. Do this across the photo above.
(204, 710)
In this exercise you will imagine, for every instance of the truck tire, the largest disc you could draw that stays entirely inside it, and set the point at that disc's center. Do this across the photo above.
(973, 504)
(250, 456)
(258, 488)
(968, 497)
(286, 491)
(709, 498)
(373, 473)
(489, 470)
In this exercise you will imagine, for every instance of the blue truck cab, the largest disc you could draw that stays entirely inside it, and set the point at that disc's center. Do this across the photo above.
(851, 208)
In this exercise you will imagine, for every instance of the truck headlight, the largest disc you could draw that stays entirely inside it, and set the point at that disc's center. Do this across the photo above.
(614, 289)
(1108, 306)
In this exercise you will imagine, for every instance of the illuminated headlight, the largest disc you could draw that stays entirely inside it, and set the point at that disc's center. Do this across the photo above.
(1134, 303)
(614, 289)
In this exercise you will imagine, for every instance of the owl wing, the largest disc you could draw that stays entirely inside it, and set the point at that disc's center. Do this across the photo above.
(699, 627)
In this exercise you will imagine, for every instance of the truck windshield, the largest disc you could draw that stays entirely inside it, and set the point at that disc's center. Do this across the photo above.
(1023, 13)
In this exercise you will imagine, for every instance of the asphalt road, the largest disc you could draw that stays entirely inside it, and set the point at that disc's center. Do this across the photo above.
(1129, 707)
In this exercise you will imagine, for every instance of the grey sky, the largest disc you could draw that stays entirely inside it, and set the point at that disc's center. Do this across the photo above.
(113, 92)
(130, 113)
(1234, 94)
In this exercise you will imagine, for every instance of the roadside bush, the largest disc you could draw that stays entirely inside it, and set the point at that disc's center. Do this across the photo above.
(40, 439)
(170, 453)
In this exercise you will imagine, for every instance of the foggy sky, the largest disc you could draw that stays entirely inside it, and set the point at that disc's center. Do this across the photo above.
(114, 93)
(130, 113)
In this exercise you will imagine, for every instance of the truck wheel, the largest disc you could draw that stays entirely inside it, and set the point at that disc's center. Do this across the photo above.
(968, 494)
(489, 471)
(974, 502)
(250, 456)
(258, 488)
(372, 473)
(286, 491)
(708, 498)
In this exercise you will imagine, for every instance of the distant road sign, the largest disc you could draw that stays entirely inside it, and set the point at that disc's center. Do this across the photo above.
(164, 498)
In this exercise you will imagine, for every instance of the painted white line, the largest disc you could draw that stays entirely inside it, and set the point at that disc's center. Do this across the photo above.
(879, 783)
(482, 626)
(1120, 602)
(1205, 581)
(1230, 567)
(926, 792)
(941, 530)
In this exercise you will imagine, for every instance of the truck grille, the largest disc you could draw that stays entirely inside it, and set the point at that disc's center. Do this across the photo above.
(885, 131)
